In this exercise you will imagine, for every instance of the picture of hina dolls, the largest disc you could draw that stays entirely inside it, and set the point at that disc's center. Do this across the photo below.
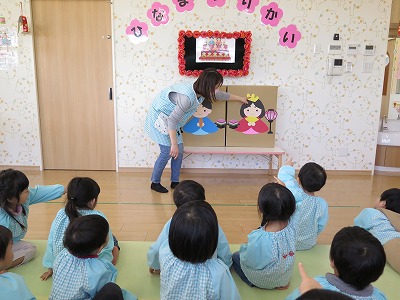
(200, 124)
(252, 113)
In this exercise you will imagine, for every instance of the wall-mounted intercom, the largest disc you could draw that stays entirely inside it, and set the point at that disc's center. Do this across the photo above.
(334, 66)
(369, 49)
(335, 49)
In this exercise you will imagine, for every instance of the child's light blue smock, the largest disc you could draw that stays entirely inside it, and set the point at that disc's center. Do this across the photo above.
(377, 224)
(38, 194)
(313, 210)
(81, 278)
(183, 280)
(334, 283)
(56, 236)
(268, 258)
(223, 251)
(13, 287)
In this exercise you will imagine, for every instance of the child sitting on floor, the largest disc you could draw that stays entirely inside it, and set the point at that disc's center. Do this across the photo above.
(357, 259)
(267, 260)
(79, 272)
(12, 286)
(383, 221)
(189, 268)
(186, 191)
(15, 199)
(82, 195)
(313, 210)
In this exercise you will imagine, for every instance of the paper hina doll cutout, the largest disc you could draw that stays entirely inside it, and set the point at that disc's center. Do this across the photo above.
(200, 124)
(252, 112)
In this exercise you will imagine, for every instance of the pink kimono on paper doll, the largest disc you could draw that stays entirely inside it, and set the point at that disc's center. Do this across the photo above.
(252, 112)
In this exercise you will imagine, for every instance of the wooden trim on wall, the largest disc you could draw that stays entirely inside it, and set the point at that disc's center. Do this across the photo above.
(20, 168)
(239, 171)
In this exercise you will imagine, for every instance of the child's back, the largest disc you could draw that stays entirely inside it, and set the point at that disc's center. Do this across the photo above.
(79, 273)
(55, 240)
(82, 194)
(189, 268)
(186, 191)
(267, 259)
(383, 222)
(312, 210)
(377, 223)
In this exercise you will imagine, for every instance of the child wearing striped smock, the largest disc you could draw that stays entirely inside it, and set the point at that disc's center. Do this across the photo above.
(79, 272)
(383, 222)
(186, 191)
(312, 210)
(189, 268)
(82, 196)
(267, 259)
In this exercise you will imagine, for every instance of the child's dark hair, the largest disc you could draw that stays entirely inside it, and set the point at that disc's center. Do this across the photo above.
(80, 191)
(206, 83)
(392, 198)
(322, 294)
(358, 256)
(193, 233)
(5, 240)
(275, 202)
(188, 190)
(312, 177)
(12, 184)
(85, 234)
(257, 103)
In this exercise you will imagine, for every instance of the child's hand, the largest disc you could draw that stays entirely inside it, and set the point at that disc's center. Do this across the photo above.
(279, 181)
(154, 272)
(115, 254)
(289, 162)
(46, 275)
(307, 283)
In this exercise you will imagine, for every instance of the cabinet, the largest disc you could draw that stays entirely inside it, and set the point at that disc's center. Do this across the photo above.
(388, 156)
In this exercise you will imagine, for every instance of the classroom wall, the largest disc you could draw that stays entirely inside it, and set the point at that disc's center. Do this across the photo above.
(333, 123)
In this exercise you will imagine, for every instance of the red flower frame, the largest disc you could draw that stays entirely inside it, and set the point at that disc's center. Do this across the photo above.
(245, 35)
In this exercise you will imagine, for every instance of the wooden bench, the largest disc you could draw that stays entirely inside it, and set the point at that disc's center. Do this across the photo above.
(265, 152)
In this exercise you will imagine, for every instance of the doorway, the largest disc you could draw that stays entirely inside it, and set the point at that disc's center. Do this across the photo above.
(73, 55)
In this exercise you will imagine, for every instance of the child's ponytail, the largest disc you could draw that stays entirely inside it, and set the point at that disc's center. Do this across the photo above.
(80, 191)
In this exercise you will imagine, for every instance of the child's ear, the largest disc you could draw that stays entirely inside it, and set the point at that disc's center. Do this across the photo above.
(382, 204)
(332, 263)
(92, 203)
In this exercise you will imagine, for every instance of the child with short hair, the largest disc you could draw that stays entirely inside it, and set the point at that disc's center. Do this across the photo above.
(267, 259)
(189, 268)
(313, 210)
(357, 259)
(186, 191)
(383, 222)
(82, 196)
(12, 286)
(79, 272)
(15, 199)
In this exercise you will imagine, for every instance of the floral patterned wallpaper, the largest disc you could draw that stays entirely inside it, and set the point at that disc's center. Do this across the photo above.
(330, 120)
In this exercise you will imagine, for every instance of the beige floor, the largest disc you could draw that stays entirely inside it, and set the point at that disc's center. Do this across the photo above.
(137, 213)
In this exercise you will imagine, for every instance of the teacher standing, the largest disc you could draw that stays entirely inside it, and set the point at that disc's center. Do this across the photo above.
(170, 111)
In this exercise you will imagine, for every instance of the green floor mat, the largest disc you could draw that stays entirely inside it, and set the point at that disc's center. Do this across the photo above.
(133, 274)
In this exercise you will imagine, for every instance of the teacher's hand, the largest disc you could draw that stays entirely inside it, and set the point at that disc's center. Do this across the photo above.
(174, 151)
